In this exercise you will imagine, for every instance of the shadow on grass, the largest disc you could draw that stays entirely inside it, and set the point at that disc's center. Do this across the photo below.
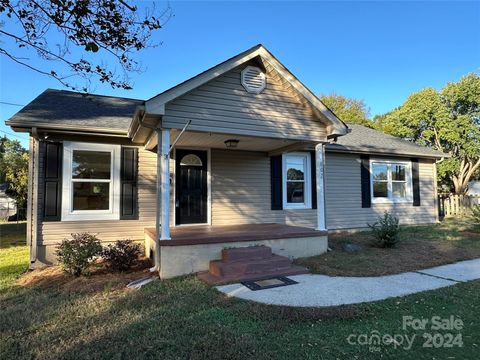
(180, 318)
(184, 318)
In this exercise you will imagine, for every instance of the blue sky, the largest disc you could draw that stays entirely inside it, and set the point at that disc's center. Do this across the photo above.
(376, 51)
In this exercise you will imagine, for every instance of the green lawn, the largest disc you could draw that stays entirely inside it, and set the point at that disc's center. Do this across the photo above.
(183, 318)
(13, 252)
(12, 233)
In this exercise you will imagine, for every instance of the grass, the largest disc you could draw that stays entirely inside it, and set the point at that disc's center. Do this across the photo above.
(12, 233)
(13, 252)
(184, 318)
(420, 247)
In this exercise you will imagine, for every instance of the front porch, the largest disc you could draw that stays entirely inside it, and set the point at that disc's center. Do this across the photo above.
(241, 143)
(206, 190)
(191, 248)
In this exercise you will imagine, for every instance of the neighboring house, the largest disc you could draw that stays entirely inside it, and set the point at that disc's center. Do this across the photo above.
(8, 206)
(474, 188)
(239, 146)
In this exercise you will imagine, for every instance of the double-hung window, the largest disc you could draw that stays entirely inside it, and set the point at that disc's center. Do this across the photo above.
(91, 184)
(297, 191)
(391, 181)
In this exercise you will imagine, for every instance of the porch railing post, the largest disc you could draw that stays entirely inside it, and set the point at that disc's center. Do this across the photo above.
(165, 190)
(320, 179)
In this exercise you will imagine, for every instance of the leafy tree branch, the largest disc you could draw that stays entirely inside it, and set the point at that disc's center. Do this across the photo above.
(347, 109)
(447, 120)
(99, 28)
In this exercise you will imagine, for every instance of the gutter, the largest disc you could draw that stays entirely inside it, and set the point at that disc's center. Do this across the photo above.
(64, 128)
(67, 132)
(385, 153)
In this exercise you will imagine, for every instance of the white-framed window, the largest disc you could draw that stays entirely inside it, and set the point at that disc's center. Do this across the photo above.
(297, 187)
(391, 181)
(91, 181)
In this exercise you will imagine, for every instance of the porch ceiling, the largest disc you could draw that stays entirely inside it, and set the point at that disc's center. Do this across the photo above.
(217, 141)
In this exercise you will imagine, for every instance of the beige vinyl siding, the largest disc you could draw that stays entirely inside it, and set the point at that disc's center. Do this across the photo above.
(240, 183)
(224, 106)
(344, 197)
(109, 230)
(241, 191)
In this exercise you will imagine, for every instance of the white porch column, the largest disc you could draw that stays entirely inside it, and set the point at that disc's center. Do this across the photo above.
(158, 202)
(320, 178)
(165, 181)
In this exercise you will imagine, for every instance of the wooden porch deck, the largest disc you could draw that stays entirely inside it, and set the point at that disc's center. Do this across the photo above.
(212, 234)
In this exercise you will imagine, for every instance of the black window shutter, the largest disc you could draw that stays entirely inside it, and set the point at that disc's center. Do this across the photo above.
(313, 168)
(52, 205)
(415, 182)
(365, 178)
(128, 187)
(276, 182)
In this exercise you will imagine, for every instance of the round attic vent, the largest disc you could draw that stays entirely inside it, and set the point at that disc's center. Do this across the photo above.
(253, 80)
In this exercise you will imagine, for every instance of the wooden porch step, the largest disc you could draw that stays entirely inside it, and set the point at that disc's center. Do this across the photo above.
(249, 267)
(247, 264)
(246, 253)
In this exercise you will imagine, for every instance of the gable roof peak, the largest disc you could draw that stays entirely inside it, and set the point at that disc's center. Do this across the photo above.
(335, 126)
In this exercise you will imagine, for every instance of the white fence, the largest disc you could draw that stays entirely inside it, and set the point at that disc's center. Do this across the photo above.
(455, 205)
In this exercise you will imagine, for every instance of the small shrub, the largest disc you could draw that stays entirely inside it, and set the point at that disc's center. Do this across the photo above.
(385, 231)
(121, 255)
(476, 217)
(77, 253)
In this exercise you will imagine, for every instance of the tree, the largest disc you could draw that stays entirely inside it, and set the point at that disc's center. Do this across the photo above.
(347, 109)
(50, 29)
(3, 140)
(14, 170)
(448, 121)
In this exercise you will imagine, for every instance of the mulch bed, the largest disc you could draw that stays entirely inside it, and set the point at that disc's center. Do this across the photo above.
(406, 256)
(99, 279)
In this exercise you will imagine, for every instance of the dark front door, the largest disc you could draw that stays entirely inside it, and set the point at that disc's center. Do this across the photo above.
(191, 187)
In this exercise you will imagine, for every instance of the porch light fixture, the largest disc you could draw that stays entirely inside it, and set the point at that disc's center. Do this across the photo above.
(231, 143)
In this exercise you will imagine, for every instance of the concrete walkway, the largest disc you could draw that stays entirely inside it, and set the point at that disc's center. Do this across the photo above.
(321, 290)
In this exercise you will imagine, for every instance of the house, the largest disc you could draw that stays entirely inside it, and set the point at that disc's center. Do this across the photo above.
(8, 205)
(242, 154)
(474, 188)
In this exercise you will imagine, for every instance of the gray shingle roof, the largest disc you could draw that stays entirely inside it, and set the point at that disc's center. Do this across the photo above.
(72, 110)
(366, 140)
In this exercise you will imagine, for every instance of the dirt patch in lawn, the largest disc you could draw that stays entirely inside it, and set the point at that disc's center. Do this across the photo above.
(100, 278)
(470, 234)
(413, 253)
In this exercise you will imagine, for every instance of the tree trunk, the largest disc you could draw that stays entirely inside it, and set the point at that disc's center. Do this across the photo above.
(465, 173)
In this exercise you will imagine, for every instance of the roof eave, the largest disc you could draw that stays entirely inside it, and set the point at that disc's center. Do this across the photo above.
(25, 126)
(383, 152)
(134, 124)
